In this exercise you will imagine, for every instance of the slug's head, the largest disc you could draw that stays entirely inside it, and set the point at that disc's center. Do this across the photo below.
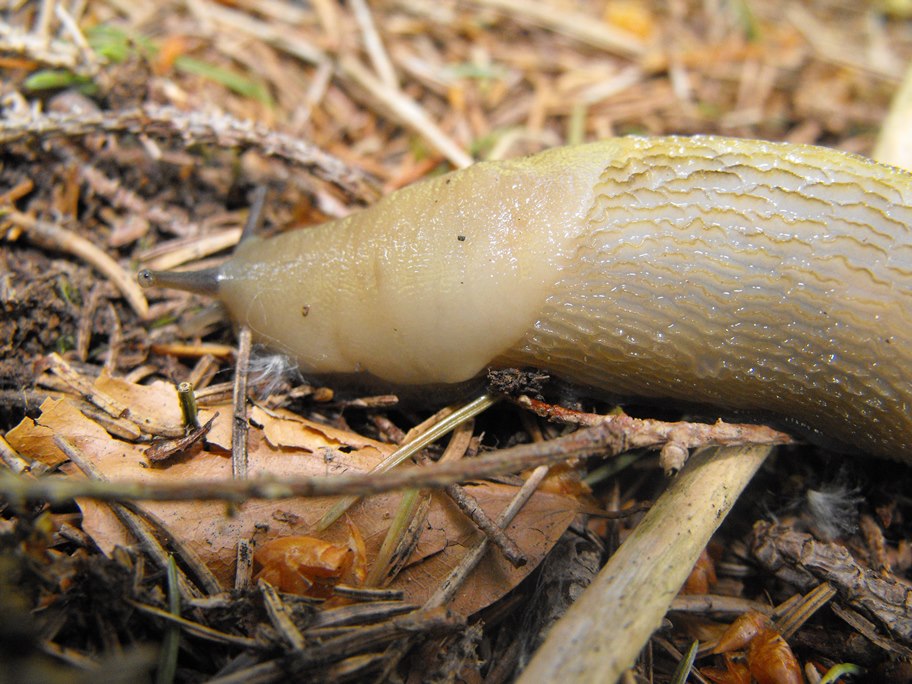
(204, 282)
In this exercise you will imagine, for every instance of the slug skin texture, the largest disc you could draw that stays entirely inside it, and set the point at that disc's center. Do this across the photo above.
(747, 275)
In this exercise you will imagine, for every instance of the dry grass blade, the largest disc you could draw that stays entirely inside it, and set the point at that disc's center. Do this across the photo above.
(409, 112)
(239, 424)
(412, 447)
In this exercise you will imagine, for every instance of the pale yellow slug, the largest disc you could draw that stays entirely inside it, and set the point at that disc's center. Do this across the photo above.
(741, 274)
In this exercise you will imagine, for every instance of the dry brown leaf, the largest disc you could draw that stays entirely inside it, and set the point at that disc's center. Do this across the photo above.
(151, 406)
(35, 439)
(207, 529)
(286, 429)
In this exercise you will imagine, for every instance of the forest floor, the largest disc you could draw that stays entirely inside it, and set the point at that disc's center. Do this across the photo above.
(137, 135)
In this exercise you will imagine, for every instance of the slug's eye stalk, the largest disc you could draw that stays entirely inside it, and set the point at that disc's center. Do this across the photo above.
(203, 282)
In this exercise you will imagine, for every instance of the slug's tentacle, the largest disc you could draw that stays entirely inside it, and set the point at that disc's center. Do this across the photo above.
(203, 282)
(255, 216)
(206, 281)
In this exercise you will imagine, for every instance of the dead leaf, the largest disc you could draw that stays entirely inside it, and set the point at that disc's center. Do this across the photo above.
(286, 429)
(206, 528)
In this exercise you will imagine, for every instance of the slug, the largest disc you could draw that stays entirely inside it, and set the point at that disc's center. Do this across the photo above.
(747, 275)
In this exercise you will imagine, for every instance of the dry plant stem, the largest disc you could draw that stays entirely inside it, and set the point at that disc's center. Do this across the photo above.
(183, 250)
(584, 28)
(52, 53)
(468, 504)
(454, 580)
(130, 428)
(358, 614)
(71, 27)
(140, 530)
(894, 143)
(195, 128)
(270, 32)
(239, 424)
(602, 633)
(188, 556)
(255, 218)
(803, 561)
(408, 520)
(187, 400)
(600, 439)
(646, 432)
(369, 637)
(714, 603)
(409, 112)
(815, 599)
(402, 533)
(374, 45)
(789, 616)
(123, 198)
(52, 236)
(365, 594)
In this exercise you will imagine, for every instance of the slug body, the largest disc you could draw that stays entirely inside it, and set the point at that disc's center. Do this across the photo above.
(741, 274)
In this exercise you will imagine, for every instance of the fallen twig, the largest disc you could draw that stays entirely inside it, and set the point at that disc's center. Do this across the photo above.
(602, 633)
(194, 128)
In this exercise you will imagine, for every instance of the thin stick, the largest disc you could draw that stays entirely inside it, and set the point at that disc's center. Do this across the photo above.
(139, 527)
(239, 423)
(468, 504)
(586, 442)
(451, 584)
(604, 631)
(581, 443)
(199, 630)
(255, 217)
